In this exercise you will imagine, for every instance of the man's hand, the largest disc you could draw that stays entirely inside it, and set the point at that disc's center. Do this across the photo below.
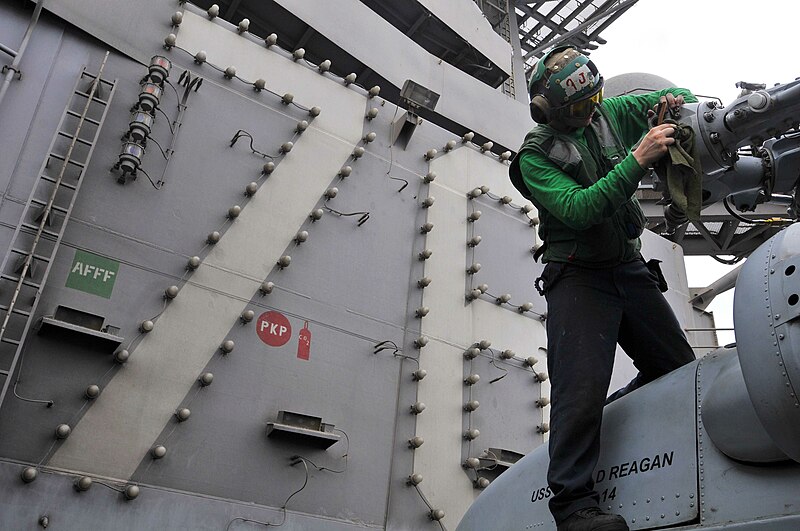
(673, 104)
(655, 144)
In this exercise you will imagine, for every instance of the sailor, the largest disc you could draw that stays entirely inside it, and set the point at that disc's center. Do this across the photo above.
(578, 169)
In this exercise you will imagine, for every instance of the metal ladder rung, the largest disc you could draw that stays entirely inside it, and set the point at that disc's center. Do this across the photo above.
(85, 118)
(57, 208)
(96, 100)
(92, 76)
(15, 310)
(39, 257)
(14, 279)
(62, 183)
(34, 228)
(78, 140)
(91, 96)
(56, 156)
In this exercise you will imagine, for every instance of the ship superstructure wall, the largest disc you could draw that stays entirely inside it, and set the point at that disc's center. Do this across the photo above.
(329, 317)
(357, 29)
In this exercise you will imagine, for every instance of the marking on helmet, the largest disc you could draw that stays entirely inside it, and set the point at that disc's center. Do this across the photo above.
(577, 80)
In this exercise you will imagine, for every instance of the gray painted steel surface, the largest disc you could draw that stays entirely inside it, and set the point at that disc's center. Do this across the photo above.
(393, 55)
(734, 491)
(641, 474)
(658, 466)
(354, 285)
(467, 20)
(350, 286)
(765, 316)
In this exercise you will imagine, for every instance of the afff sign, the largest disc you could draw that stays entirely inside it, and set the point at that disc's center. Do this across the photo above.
(92, 274)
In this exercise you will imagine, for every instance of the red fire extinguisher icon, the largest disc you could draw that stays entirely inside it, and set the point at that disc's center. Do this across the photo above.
(304, 343)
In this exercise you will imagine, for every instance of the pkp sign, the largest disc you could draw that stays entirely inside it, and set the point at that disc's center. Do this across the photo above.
(273, 328)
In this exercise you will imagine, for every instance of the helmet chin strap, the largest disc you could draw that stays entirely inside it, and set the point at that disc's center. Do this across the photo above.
(560, 126)
(566, 124)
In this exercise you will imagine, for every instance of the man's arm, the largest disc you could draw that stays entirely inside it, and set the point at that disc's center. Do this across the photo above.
(577, 207)
(629, 113)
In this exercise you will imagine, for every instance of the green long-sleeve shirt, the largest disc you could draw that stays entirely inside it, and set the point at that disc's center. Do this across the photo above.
(577, 207)
(583, 183)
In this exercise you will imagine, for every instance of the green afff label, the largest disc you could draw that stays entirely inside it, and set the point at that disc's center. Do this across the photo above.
(92, 274)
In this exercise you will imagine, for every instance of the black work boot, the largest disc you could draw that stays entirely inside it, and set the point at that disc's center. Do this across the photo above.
(593, 519)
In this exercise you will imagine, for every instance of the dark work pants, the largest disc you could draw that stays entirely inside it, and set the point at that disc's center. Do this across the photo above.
(589, 311)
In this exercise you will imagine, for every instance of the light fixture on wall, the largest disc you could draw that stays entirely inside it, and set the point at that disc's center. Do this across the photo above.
(83, 483)
(416, 96)
(471, 353)
(227, 346)
(140, 125)
(149, 97)
(413, 97)
(130, 158)
(158, 69)
(131, 492)
(29, 474)
(542, 402)
(472, 434)
(482, 483)
(92, 392)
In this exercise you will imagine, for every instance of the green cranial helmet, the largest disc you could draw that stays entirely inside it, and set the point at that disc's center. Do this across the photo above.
(562, 78)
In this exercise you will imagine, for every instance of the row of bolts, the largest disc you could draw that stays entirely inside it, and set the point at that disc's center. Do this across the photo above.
(475, 350)
(131, 491)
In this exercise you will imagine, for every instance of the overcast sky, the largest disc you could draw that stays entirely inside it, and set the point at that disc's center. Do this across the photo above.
(706, 46)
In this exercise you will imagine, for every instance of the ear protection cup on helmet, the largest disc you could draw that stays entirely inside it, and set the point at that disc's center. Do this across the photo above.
(540, 109)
